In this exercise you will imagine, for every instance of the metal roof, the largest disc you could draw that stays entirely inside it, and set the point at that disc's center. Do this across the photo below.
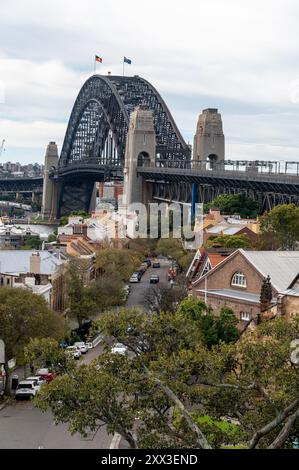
(233, 294)
(18, 261)
(281, 266)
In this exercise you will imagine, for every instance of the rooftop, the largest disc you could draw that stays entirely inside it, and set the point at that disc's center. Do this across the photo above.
(18, 261)
(234, 294)
(281, 266)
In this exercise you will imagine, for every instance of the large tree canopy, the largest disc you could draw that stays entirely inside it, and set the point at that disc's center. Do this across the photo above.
(280, 228)
(230, 204)
(172, 391)
(24, 316)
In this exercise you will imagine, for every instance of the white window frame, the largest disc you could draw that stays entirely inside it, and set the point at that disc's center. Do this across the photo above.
(239, 280)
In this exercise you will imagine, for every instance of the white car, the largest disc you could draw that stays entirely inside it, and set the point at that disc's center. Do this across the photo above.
(40, 381)
(82, 346)
(134, 278)
(73, 351)
(119, 348)
(26, 389)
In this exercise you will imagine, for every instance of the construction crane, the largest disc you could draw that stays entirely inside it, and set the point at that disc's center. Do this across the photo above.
(2, 149)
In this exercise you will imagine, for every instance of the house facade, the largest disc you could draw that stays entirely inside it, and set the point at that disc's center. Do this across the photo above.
(39, 271)
(237, 281)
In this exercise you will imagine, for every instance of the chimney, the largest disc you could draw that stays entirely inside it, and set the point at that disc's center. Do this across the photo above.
(35, 263)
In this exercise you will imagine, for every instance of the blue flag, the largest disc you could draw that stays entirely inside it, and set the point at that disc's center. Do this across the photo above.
(127, 61)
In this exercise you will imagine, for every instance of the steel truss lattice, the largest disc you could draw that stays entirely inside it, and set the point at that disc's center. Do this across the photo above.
(99, 121)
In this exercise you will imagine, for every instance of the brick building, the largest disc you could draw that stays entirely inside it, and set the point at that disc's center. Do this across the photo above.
(236, 282)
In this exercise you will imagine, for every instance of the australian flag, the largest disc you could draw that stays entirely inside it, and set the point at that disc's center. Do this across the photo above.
(127, 61)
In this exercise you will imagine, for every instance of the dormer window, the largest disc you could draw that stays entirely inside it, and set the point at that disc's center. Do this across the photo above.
(239, 280)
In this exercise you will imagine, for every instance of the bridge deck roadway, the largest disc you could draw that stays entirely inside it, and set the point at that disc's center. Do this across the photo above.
(265, 182)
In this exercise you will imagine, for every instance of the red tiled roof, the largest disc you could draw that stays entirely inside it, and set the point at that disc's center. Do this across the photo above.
(216, 258)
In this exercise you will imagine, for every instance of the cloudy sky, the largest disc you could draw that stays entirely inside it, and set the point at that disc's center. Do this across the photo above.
(240, 56)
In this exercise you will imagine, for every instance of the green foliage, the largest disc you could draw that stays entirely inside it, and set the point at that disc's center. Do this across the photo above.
(214, 329)
(24, 316)
(172, 248)
(63, 221)
(45, 352)
(280, 228)
(83, 214)
(230, 204)
(82, 303)
(119, 262)
(171, 379)
(220, 433)
(230, 241)
(32, 243)
(107, 291)
(52, 238)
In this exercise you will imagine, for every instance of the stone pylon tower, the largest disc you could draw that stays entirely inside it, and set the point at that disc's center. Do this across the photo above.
(50, 187)
(140, 151)
(209, 140)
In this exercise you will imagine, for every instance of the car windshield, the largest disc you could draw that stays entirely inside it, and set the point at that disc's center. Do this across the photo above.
(119, 345)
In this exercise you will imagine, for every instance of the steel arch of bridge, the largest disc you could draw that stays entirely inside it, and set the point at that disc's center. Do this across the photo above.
(99, 121)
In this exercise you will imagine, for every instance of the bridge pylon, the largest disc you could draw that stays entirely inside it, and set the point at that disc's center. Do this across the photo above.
(140, 151)
(49, 202)
(209, 140)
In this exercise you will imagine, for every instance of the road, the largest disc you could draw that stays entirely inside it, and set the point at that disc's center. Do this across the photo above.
(138, 291)
(22, 426)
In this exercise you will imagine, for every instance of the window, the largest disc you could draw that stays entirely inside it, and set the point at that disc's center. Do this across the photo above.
(245, 316)
(239, 280)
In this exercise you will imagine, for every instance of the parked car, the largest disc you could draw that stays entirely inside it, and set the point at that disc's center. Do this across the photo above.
(154, 279)
(119, 348)
(39, 379)
(45, 374)
(26, 389)
(148, 262)
(82, 346)
(156, 265)
(135, 278)
(73, 351)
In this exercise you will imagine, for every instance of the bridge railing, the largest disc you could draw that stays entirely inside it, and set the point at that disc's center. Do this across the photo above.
(252, 167)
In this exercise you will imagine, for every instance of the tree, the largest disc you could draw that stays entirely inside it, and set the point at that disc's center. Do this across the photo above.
(171, 391)
(63, 221)
(24, 316)
(230, 204)
(230, 241)
(173, 248)
(107, 291)
(82, 303)
(32, 243)
(120, 261)
(280, 228)
(164, 299)
(214, 329)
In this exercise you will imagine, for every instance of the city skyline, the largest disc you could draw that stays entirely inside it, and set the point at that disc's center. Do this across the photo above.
(240, 59)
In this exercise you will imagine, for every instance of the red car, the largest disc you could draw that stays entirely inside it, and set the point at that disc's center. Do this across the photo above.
(46, 375)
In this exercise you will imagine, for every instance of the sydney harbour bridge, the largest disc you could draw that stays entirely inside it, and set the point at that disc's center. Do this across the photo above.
(95, 149)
